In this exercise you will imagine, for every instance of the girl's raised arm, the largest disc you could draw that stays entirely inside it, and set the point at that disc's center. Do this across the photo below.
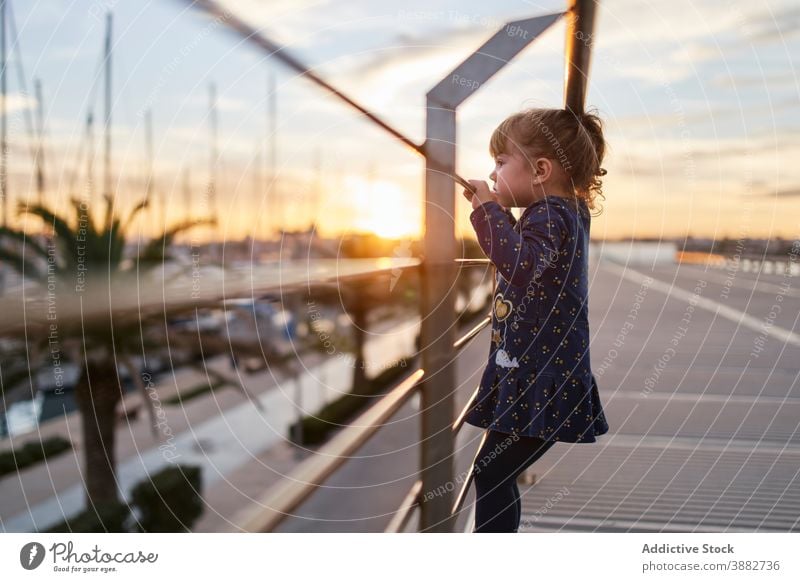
(520, 257)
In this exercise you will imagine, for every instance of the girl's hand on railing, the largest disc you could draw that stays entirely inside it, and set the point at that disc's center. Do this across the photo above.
(482, 193)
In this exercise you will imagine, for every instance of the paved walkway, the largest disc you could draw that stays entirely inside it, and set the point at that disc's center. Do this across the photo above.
(703, 402)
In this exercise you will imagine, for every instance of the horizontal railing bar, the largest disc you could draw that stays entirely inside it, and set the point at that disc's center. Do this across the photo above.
(461, 417)
(284, 497)
(473, 262)
(460, 343)
(406, 510)
(462, 495)
(136, 298)
(463, 340)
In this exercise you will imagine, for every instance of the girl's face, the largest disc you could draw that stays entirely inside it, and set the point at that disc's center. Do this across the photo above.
(513, 178)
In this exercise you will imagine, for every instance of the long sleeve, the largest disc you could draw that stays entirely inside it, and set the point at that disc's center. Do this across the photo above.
(520, 257)
(511, 217)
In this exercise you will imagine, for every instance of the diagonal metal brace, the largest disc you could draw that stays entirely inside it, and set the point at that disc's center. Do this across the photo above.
(490, 58)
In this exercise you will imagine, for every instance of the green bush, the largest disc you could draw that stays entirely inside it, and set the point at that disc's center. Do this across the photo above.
(170, 500)
(31, 453)
(103, 518)
(167, 501)
(193, 392)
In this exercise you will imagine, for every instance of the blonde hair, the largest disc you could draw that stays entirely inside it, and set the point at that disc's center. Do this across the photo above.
(575, 141)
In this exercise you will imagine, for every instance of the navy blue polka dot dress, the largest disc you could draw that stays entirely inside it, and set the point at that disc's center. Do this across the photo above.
(538, 381)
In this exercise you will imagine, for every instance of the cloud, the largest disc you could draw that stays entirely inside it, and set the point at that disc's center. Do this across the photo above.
(731, 80)
(415, 48)
(291, 23)
(707, 113)
(793, 192)
(669, 42)
(769, 26)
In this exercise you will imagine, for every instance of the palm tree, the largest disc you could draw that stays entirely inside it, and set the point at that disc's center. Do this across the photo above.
(93, 256)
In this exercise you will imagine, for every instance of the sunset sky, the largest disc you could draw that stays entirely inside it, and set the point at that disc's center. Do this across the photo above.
(701, 102)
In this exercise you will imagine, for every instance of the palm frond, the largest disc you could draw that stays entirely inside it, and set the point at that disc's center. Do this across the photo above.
(143, 203)
(155, 251)
(58, 224)
(175, 230)
(65, 234)
(6, 232)
(20, 264)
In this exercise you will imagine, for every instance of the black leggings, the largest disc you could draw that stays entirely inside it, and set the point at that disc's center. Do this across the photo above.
(502, 458)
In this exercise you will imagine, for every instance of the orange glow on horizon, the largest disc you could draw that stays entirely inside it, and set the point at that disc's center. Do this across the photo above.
(383, 208)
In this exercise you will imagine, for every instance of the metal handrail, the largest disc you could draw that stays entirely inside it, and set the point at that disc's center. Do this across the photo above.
(289, 493)
(459, 422)
(579, 49)
(284, 497)
(464, 340)
(462, 494)
(412, 500)
(124, 297)
(439, 152)
(406, 510)
(473, 262)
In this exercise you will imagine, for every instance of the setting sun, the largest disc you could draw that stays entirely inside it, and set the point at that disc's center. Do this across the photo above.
(383, 208)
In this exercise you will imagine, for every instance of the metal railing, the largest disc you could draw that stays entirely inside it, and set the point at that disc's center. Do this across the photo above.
(437, 274)
(289, 493)
(279, 501)
(438, 271)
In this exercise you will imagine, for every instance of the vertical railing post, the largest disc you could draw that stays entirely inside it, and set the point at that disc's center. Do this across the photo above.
(439, 267)
(580, 40)
(438, 332)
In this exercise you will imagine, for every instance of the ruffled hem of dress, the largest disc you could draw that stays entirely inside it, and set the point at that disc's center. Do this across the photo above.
(490, 413)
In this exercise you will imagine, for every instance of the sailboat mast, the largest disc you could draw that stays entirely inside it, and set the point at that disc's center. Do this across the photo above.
(148, 138)
(316, 195)
(90, 158)
(258, 190)
(3, 111)
(212, 195)
(40, 145)
(272, 170)
(108, 71)
(187, 193)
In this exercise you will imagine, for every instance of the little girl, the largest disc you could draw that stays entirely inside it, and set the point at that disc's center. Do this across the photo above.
(537, 387)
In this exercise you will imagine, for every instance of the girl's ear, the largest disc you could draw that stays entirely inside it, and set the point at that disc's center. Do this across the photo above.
(542, 169)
